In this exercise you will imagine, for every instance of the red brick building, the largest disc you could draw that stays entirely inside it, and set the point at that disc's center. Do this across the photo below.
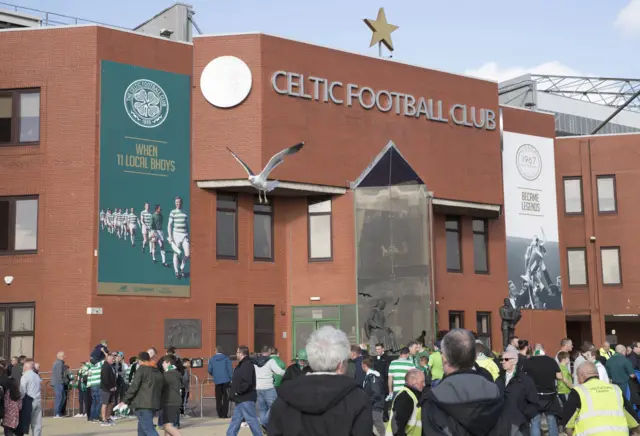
(599, 179)
(239, 292)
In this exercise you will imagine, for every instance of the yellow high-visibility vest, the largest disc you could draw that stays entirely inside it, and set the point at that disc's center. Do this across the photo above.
(414, 426)
(606, 354)
(601, 410)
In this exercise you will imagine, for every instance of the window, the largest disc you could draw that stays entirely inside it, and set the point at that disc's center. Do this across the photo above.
(17, 329)
(572, 195)
(483, 328)
(610, 257)
(577, 265)
(18, 225)
(320, 240)
(264, 318)
(454, 261)
(19, 117)
(606, 194)
(227, 328)
(262, 231)
(226, 226)
(456, 319)
(480, 246)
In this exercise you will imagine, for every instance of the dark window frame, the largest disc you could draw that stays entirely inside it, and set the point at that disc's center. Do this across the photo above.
(7, 334)
(230, 331)
(611, 247)
(458, 219)
(586, 267)
(271, 214)
(12, 225)
(459, 313)
(256, 346)
(235, 211)
(479, 333)
(484, 233)
(564, 194)
(615, 194)
(312, 214)
(15, 116)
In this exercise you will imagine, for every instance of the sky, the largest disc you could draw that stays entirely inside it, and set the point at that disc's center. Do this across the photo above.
(494, 39)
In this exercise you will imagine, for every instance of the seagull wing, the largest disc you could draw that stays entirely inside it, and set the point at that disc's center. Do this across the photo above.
(244, 165)
(278, 158)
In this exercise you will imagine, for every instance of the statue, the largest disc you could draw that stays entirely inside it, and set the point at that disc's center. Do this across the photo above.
(510, 316)
(376, 329)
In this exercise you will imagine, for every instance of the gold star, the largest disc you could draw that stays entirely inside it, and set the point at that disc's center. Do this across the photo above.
(381, 30)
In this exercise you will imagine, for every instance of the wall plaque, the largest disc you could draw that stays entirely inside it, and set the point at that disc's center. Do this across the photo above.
(183, 333)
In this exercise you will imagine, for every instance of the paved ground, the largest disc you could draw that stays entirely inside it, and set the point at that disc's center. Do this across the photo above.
(127, 427)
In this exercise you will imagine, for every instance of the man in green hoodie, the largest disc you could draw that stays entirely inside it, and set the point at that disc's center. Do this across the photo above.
(275, 356)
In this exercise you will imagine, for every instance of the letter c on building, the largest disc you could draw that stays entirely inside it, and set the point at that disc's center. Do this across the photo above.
(274, 82)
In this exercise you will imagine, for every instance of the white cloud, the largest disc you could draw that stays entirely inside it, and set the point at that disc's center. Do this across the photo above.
(628, 19)
(493, 71)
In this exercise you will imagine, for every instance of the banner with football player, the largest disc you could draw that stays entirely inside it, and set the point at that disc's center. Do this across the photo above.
(531, 216)
(144, 246)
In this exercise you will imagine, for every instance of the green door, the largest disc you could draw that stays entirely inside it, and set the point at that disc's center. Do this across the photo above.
(303, 329)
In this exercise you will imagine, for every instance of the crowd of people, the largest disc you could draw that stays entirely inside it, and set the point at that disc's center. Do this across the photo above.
(458, 387)
(109, 388)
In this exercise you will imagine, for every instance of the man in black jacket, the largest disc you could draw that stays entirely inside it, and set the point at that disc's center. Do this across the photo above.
(464, 403)
(374, 388)
(520, 390)
(108, 386)
(325, 401)
(243, 393)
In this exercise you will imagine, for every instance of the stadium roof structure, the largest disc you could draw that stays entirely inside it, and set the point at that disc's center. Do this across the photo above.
(583, 105)
(607, 91)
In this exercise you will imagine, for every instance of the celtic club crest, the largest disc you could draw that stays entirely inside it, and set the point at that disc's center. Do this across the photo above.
(146, 103)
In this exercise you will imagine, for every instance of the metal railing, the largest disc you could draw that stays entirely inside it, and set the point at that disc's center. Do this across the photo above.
(51, 18)
(206, 382)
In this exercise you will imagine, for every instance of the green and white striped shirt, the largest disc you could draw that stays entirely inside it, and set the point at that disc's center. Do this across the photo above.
(145, 217)
(133, 218)
(179, 220)
(117, 216)
(398, 370)
(94, 374)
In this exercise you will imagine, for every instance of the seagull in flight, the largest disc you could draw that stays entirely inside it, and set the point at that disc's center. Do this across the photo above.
(260, 181)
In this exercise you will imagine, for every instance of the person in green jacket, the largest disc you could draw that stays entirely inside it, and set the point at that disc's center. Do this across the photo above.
(275, 356)
(435, 363)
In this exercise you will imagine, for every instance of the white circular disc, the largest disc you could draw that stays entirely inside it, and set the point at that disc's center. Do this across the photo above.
(226, 81)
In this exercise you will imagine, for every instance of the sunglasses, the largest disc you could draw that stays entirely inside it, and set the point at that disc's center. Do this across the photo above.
(506, 359)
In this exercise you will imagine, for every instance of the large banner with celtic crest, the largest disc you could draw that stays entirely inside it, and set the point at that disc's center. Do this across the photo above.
(531, 219)
(144, 247)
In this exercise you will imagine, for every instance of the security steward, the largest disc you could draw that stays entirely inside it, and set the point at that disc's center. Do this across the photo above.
(595, 407)
(405, 418)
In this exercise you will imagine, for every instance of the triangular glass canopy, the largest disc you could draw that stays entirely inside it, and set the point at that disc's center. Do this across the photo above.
(389, 168)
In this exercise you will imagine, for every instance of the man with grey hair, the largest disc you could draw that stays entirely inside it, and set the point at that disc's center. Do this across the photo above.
(325, 401)
(620, 369)
(465, 403)
(593, 402)
(58, 382)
